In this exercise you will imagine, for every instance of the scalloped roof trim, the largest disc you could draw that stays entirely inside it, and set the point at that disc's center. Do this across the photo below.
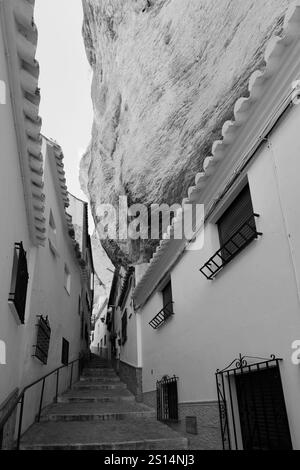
(242, 109)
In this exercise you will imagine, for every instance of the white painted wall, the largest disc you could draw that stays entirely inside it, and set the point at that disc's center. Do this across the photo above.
(46, 294)
(253, 306)
(13, 229)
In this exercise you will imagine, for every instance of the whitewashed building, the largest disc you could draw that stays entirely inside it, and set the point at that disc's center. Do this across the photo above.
(219, 323)
(124, 326)
(43, 270)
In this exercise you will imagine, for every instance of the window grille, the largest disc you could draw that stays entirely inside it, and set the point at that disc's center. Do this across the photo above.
(163, 315)
(167, 399)
(251, 405)
(41, 348)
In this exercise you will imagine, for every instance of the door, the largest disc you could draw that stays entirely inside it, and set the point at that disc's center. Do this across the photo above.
(262, 410)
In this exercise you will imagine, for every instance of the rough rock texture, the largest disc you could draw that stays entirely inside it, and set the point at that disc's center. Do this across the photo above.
(166, 76)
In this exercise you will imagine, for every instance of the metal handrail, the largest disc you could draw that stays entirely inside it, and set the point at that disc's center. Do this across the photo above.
(21, 397)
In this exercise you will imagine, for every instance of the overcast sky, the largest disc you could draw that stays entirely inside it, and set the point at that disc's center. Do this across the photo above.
(65, 78)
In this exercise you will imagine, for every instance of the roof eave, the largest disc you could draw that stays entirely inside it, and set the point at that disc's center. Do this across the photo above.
(267, 89)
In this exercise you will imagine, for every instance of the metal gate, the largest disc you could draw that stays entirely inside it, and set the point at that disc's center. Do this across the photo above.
(167, 399)
(251, 405)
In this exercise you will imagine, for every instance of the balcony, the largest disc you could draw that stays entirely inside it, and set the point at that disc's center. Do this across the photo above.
(239, 240)
(19, 283)
(165, 313)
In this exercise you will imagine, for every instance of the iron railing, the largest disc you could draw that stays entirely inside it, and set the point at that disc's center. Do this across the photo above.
(167, 399)
(20, 272)
(239, 240)
(20, 400)
(165, 313)
(43, 339)
(251, 405)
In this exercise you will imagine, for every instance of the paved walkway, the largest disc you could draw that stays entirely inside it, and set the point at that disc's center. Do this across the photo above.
(100, 413)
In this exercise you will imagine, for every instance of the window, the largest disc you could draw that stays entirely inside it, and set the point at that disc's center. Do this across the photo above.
(237, 224)
(167, 399)
(262, 411)
(65, 352)
(237, 229)
(252, 406)
(19, 283)
(167, 311)
(52, 235)
(168, 297)
(67, 279)
(124, 327)
(41, 348)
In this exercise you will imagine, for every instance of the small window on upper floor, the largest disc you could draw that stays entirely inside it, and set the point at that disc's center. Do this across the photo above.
(237, 229)
(168, 297)
(67, 279)
(237, 225)
(52, 235)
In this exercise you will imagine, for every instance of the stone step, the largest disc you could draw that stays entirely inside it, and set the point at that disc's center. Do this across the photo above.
(129, 434)
(99, 372)
(98, 386)
(96, 396)
(98, 379)
(96, 412)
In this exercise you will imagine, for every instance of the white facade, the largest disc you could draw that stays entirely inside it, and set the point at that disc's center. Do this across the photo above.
(33, 202)
(252, 306)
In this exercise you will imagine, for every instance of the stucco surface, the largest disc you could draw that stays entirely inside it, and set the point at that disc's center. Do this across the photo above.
(166, 76)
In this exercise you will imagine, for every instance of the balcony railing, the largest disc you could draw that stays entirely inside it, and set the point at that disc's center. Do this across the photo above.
(162, 316)
(239, 240)
(17, 296)
(41, 347)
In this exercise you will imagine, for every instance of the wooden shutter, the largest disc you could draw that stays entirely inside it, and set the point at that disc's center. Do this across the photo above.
(168, 297)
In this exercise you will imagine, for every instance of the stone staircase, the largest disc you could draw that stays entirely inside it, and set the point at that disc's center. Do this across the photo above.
(99, 413)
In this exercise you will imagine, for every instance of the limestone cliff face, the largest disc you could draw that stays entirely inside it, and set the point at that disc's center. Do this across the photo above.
(166, 76)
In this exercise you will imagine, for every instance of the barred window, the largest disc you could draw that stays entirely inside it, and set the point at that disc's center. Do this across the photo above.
(41, 348)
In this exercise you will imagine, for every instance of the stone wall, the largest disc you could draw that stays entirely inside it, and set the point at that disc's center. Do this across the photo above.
(131, 376)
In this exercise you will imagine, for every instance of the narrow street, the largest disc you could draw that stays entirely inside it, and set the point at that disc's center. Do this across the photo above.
(150, 226)
(100, 414)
